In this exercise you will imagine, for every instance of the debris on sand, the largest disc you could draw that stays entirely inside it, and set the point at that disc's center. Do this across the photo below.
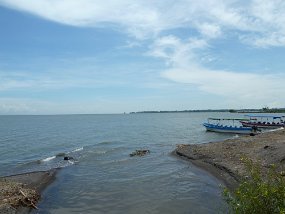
(21, 192)
(14, 195)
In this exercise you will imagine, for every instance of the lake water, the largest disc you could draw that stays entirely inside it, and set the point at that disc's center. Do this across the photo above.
(103, 178)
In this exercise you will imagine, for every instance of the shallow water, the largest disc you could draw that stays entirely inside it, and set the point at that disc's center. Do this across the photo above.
(103, 178)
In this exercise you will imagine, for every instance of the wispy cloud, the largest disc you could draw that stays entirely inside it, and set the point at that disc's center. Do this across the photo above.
(256, 23)
(235, 87)
(24, 106)
(75, 73)
(259, 20)
(53, 80)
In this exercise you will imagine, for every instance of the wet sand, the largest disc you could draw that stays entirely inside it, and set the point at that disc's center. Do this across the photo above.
(20, 193)
(223, 159)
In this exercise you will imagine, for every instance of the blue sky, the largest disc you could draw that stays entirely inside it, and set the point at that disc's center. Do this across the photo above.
(89, 56)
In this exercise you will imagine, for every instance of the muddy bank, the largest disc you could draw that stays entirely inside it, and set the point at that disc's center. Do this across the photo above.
(20, 193)
(223, 159)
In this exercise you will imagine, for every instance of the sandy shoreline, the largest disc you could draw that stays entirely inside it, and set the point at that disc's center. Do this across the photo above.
(16, 189)
(223, 159)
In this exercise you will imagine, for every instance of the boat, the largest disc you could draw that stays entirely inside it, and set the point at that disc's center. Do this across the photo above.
(228, 125)
(264, 121)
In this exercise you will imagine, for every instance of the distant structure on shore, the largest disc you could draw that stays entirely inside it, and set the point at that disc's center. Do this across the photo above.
(263, 110)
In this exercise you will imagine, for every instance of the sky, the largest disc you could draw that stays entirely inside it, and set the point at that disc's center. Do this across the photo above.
(115, 56)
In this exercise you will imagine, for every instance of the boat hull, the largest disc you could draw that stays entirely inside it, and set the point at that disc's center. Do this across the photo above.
(262, 125)
(228, 129)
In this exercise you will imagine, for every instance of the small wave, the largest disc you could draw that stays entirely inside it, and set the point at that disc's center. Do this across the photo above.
(78, 149)
(48, 159)
(94, 153)
(62, 154)
(71, 162)
(100, 152)
(105, 143)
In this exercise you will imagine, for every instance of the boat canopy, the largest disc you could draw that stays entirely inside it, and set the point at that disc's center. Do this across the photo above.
(264, 116)
(238, 119)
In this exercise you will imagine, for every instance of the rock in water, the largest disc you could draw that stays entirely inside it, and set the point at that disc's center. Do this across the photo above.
(141, 152)
(68, 158)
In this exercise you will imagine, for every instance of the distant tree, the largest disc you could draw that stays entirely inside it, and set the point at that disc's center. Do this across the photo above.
(232, 111)
(265, 109)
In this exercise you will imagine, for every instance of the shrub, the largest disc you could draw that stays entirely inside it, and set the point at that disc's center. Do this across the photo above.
(258, 192)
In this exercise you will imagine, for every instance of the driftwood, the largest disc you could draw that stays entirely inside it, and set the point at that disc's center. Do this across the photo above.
(30, 201)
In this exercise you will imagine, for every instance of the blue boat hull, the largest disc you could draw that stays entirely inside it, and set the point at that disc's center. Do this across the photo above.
(228, 129)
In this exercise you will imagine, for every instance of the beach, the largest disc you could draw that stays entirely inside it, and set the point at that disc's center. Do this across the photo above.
(20, 193)
(223, 159)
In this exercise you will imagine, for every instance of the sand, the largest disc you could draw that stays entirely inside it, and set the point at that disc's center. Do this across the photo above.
(20, 193)
(223, 159)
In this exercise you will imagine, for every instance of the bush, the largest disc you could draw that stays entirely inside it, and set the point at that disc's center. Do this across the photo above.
(258, 193)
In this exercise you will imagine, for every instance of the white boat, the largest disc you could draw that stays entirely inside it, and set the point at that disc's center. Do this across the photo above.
(228, 125)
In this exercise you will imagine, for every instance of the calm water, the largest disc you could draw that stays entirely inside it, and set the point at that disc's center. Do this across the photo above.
(103, 178)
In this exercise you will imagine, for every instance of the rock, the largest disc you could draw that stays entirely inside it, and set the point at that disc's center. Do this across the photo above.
(141, 152)
(68, 158)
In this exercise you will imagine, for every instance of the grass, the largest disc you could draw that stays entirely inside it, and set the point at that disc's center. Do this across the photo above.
(258, 193)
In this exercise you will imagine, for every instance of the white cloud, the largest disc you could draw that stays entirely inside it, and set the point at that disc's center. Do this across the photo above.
(254, 19)
(12, 106)
(16, 106)
(236, 87)
(137, 17)
(259, 23)
(210, 30)
(268, 18)
(268, 40)
(60, 77)
(248, 89)
(22, 106)
(175, 51)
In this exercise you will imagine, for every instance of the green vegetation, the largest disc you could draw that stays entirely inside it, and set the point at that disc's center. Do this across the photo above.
(258, 193)
(263, 110)
(273, 110)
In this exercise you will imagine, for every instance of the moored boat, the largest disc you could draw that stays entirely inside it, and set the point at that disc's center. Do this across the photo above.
(228, 125)
(264, 121)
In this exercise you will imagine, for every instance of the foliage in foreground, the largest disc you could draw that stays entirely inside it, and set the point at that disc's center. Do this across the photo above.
(258, 193)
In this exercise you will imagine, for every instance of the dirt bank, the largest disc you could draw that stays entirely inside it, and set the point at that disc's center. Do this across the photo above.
(20, 193)
(223, 159)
